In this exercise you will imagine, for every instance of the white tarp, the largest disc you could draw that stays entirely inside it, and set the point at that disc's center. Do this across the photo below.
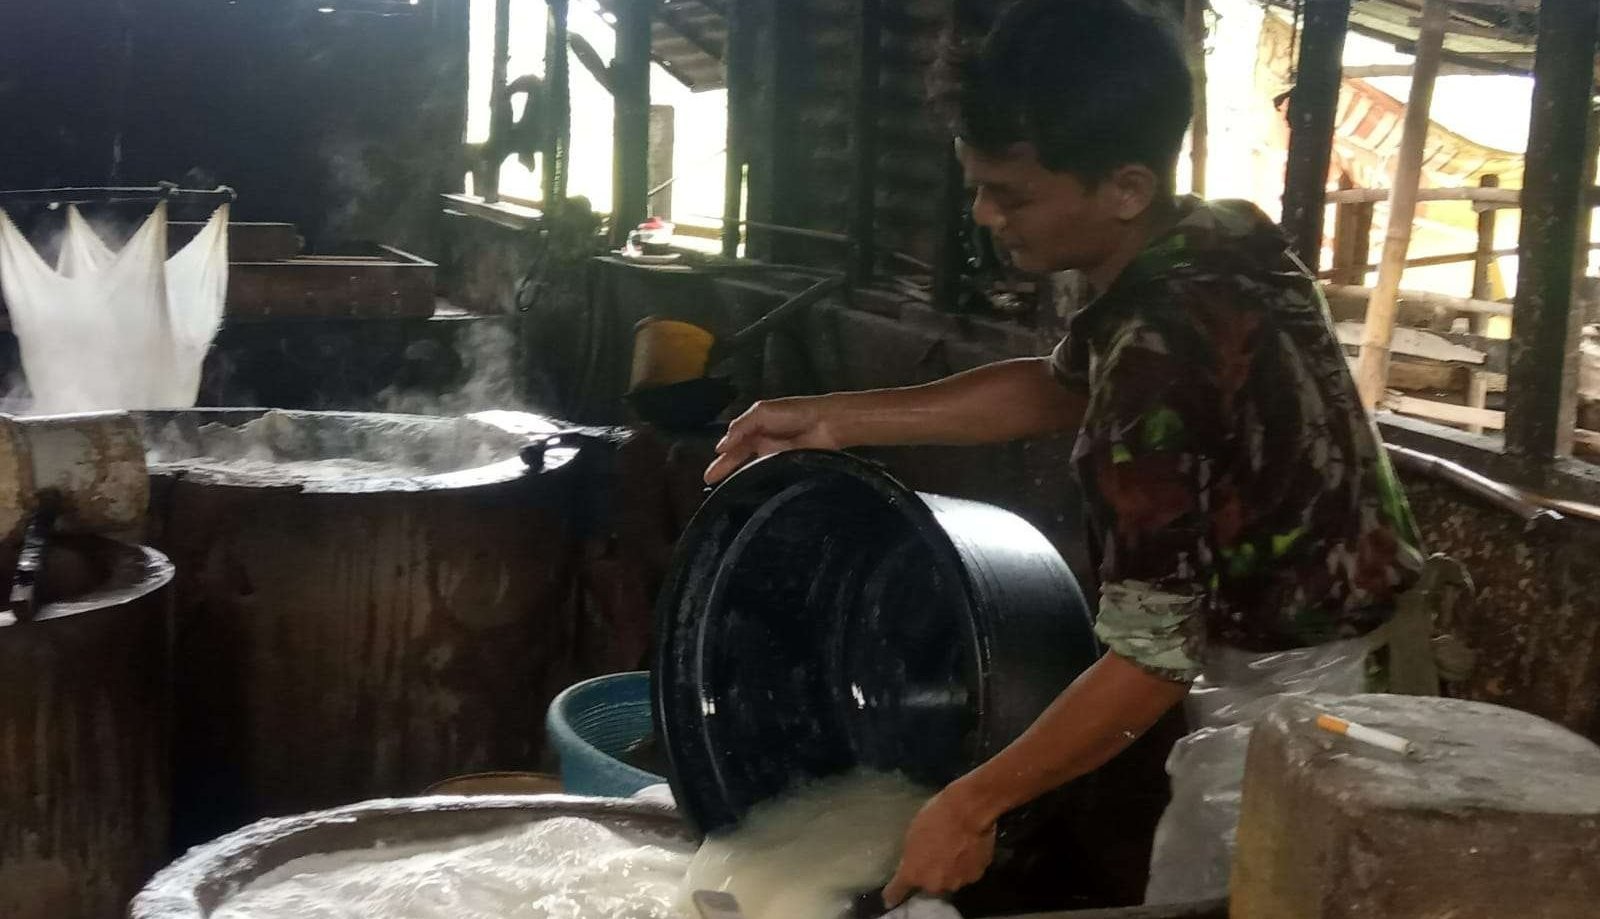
(115, 330)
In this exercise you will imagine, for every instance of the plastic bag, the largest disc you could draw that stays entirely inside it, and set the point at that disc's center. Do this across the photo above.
(1194, 842)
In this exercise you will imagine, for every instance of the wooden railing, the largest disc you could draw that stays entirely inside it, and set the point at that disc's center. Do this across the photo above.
(1352, 262)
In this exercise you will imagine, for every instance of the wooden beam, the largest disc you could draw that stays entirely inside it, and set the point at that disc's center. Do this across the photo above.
(499, 103)
(1540, 397)
(736, 68)
(673, 19)
(1313, 105)
(630, 73)
(558, 103)
(1373, 372)
(1194, 34)
(1446, 411)
(1352, 240)
(1373, 71)
(1433, 346)
(1482, 261)
(1436, 303)
(949, 258)
(869, 56)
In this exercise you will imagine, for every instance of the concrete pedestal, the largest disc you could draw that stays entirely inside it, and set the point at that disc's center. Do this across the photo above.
(1498, 817)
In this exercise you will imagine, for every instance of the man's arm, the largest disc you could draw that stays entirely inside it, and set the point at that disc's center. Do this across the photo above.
(951, 841)
(995, 403)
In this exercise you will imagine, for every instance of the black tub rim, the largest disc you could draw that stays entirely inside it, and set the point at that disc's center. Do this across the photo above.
(704, 803)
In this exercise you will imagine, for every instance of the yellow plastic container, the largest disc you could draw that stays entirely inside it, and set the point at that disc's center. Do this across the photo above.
(667, 351)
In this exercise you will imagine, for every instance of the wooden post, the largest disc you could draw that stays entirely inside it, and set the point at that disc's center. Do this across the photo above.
(1540, 400)
(1482, 261)
(736, 70)
(558, 105)
(663, 128)
(1352, 240)
(1194, 33)
(1312, 107)
(869, 40)
(499, 102)
(1373, 370)
(949, 257)
(630, 69)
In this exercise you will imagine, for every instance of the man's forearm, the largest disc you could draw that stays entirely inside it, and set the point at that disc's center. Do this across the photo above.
(1104, 710)
(995, 403)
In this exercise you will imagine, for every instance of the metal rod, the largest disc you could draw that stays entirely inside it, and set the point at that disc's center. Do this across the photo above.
(1313, 105)
(1542, 343)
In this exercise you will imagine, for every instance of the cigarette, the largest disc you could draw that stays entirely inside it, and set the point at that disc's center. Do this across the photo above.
(1366, 735)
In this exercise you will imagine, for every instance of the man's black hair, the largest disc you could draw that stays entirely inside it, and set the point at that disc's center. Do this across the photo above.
(1092, 84)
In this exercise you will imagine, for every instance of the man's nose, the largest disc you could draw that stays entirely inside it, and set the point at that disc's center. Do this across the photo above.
(984, 212)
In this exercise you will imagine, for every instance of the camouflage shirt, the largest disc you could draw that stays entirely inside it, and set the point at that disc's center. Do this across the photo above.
(1238, 492)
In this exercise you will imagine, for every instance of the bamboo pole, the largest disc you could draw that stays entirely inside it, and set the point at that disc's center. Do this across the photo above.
(1373, 371)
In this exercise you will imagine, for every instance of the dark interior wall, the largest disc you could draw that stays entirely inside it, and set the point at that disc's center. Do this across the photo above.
(348, 124)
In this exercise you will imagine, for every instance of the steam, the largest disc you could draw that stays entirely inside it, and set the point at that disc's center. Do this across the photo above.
(486, 377)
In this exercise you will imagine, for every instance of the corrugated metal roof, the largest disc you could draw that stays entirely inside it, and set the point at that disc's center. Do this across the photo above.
(1497, 36)
(687, 39)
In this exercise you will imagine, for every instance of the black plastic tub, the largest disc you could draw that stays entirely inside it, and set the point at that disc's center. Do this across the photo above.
(820, 616)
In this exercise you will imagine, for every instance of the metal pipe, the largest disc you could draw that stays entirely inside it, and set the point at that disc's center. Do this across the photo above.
(1508, 498)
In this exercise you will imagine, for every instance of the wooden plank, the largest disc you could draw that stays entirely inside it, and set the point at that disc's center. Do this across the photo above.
(1541, 401)
(1480, 197)
(1431, 346)
(1313, 108)
(1488, 419)
(1439, 303)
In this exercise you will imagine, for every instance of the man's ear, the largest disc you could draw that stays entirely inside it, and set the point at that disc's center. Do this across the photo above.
(1133, 189)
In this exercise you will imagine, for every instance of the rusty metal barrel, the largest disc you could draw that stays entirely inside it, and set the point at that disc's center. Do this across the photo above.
(84, 790)
(366, 604)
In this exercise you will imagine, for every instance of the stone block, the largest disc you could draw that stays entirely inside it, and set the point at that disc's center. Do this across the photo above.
(1498, 816)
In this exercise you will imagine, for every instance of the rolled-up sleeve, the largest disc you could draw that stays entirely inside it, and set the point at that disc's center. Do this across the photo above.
(1145, 454)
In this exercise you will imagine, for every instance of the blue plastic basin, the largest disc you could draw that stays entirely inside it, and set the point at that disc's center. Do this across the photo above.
(592, 724)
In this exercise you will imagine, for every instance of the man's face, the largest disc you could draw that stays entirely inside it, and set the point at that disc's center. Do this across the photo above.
(1048, 221)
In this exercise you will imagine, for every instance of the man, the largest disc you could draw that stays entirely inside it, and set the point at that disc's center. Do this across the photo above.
(1238, 494)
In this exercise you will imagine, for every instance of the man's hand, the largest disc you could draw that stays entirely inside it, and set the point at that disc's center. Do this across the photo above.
(948, 846)
(772, 427)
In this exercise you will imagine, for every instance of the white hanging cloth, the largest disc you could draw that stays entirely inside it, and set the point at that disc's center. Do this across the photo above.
(115, 330)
